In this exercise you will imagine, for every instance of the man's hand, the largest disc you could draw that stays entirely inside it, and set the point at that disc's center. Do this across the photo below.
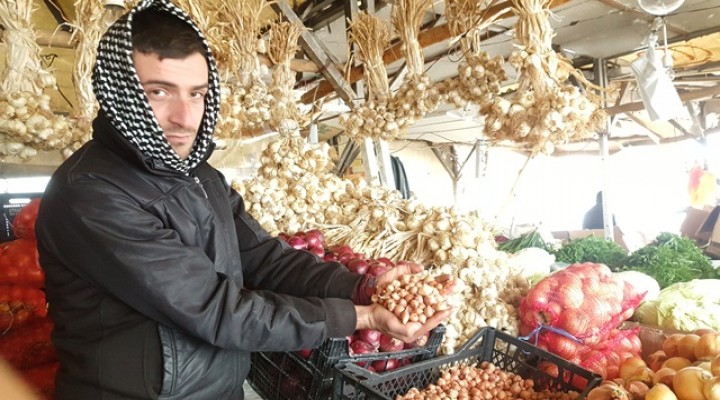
(377, 317)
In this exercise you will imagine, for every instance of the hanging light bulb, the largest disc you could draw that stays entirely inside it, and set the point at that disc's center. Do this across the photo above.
(660, 7)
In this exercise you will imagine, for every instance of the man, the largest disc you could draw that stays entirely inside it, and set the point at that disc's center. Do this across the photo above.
(148, 252)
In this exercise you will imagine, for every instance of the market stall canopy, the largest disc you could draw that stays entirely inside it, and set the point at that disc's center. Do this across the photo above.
(586, 31)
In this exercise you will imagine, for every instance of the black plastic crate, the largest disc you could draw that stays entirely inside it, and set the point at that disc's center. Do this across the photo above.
(288, 376)
(506, 352)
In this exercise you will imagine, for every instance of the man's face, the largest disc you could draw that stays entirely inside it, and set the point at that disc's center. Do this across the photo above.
(176, 89)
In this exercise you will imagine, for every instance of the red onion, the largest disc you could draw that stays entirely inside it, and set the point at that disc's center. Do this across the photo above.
(385, 365)
(385, 261)
(330, 257)
(389, 343)
(377, 268)
(318, 251)
(305, 353)
(361, 347)
(370, 336)
(316, 233)
(297, 243)
(358, 266)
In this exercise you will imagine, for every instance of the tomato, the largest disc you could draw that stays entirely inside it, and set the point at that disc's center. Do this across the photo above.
(24, 222)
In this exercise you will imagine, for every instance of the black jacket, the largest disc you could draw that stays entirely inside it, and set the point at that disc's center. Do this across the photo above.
(147, 272)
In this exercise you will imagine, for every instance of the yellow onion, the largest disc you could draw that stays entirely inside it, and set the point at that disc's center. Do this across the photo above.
(688, 383)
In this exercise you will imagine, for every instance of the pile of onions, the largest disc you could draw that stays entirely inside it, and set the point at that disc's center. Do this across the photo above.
(482, 382)
(414, 297)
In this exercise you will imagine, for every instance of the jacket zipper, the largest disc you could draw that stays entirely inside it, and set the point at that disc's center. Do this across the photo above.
(197, 180)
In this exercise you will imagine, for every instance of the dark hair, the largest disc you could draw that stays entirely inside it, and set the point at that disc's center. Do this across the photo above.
(159, 32)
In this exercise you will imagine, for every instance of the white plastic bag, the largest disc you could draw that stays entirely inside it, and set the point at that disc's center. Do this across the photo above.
(657, 91)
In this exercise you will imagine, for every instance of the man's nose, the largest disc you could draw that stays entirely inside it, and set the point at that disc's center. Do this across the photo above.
(181, 112)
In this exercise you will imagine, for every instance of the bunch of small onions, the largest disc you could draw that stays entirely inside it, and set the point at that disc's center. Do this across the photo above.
(483, 382)
(245, 105)
(414, 297)
(478, 81)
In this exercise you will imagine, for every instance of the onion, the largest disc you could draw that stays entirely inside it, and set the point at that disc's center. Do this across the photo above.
(317, 234)
(688, 383)
(385, 365)
(676, 363)
(297, 242)
(377, 268)
(358, 266)
(389, 343)
(630, 366)
(638, 390)
(670, 344)
(318, 251)
(707, 347)
(361, 347)
(656, 359)
(370, 336)
(660, 392)
(715, 365)
(664, 376)
(313, 241)
(686, 346)
(711, 388)
(305, 353)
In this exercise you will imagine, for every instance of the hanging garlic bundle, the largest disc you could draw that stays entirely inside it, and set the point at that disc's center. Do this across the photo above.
(245, 98)
(283, 44)
(417, 96)
(295, 187)
(26, 122)
(479, 76)
(374, 118)
(91, 22)
(546, 109)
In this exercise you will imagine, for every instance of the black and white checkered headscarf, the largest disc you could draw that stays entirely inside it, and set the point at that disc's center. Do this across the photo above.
(122, 98)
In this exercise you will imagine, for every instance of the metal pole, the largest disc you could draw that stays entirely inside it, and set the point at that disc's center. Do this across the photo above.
(601, 79)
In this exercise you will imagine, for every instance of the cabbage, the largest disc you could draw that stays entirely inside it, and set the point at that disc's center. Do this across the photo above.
(532, 262)
(685, 306)
(643, 283)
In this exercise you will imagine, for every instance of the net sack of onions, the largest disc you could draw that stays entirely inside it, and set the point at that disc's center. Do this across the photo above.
(578, 310)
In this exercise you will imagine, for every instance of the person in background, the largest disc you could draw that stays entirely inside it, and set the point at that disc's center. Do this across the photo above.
(594, 216)
(149, 254)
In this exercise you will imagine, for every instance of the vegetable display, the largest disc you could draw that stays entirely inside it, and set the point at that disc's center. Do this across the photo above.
(687, 368)
(526, 240)
(670, 259)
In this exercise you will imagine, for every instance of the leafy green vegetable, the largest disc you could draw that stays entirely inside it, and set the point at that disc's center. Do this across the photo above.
(670, 259)
(591, 249)
(530, 239)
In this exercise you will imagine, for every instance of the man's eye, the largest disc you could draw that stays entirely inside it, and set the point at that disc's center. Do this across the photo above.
(157, 93)
(198, 95)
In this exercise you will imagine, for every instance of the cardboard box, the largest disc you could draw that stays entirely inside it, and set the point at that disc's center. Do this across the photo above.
(708, 233)
(694, 219)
